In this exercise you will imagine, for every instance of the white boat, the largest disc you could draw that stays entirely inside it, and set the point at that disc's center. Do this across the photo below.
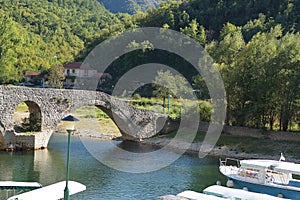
(51, 192)
(217, 192)
(188, 194)
(234, 194)
(13, 185)
(272, 177)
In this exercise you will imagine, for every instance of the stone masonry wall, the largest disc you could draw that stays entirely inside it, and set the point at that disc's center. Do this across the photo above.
(50, 105)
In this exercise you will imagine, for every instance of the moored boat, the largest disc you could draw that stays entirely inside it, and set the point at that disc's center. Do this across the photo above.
(197, 196)
(51, 192)
(234, 194)
(217, 192)
(272, 177)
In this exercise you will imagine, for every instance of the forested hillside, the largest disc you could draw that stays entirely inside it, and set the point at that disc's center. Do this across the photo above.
(259, 15)
(129, 6)
(122, 6)
(36, 34)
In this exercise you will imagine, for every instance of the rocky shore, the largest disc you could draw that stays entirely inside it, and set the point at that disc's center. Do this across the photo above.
(217, 151)
(194, 148)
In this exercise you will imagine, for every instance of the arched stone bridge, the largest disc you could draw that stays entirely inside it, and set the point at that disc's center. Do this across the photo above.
(48, 106)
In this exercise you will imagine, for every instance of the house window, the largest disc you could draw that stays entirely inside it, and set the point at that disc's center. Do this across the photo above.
(68, 72)
(85, 72)
(73, 71)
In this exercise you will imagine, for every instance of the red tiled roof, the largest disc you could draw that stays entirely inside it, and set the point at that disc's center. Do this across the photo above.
(77, 65)
(32, 73)
(73, 65)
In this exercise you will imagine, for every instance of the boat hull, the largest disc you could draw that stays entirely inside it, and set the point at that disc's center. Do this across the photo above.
(274, 191)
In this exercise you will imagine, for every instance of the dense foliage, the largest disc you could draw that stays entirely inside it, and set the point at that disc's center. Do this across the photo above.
(213, 15)
(36, 35)
(129, 6)
(261, 76)
(256, 46)
(254, 43)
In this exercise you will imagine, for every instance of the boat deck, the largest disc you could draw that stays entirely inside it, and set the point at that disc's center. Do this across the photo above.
(13, 185)
(51, 192)
(237, 193)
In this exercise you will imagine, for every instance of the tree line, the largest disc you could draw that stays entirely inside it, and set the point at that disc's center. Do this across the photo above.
(261, 76)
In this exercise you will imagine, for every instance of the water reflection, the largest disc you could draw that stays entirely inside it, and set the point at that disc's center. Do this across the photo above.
(16, 166)
(136, 147)
(48, 166)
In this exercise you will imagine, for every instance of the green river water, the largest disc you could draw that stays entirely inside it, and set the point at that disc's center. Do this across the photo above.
(49, 166)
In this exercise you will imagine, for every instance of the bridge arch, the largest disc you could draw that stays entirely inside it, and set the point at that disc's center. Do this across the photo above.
(90, 124)
(116, 119)
(33, 122)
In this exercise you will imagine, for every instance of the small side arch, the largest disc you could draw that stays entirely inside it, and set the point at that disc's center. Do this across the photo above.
(34, 121)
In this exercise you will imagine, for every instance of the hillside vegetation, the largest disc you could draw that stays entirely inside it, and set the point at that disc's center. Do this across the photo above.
(255, 15)
(254, 43)
(129, 6)
(36, 35)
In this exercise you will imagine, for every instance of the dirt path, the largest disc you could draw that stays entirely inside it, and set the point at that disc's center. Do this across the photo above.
(94, 128)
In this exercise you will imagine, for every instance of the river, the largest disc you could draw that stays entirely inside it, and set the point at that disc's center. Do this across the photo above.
(49, 166)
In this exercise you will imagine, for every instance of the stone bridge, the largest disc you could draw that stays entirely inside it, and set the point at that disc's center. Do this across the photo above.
(48, 106)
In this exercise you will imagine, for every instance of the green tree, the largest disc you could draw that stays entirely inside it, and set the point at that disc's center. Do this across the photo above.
(226, 55)
(195, 31)
(56, 76)
(261, 76)
(288, 78)
(166, 83)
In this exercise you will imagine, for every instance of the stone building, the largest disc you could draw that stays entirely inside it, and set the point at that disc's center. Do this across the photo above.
(79, 75)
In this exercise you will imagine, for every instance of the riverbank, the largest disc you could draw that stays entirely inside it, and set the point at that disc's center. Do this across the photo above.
(228, 145)
(242, 147)
(261, 148)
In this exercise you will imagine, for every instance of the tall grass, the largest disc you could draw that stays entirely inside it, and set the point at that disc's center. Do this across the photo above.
(176, 106)
(90, 112)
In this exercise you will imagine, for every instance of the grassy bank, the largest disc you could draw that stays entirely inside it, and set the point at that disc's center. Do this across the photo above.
(249, 145)
(172, 108)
